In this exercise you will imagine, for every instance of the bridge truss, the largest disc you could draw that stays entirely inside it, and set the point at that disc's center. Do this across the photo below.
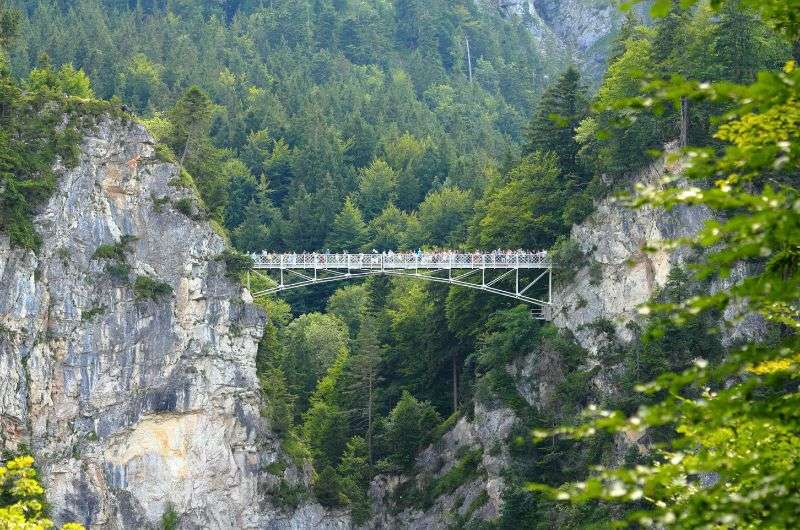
(524, 276)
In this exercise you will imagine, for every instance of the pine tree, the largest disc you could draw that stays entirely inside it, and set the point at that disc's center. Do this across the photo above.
(252, 235)
(560, 110)
(191, 121)
(363, 375)
(407, 428)
(734, 44)
(626, 31)
(377, 187)
(349, 230)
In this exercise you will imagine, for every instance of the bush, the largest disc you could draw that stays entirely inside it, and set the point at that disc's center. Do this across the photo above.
(408, 428)
(235, 263)
(185, 206)
(119, 271)
(147, 288)
(289, 495)
(170, 518)
(567, 259)
(465, 469)
(115, 251)
(327, 488)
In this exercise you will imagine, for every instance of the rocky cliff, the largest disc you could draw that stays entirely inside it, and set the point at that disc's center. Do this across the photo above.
(582, 28)
(127, 359)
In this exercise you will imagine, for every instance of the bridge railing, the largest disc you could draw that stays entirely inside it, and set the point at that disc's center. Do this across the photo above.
(404, 260)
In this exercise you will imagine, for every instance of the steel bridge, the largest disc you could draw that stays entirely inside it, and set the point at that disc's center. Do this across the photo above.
(522, 275)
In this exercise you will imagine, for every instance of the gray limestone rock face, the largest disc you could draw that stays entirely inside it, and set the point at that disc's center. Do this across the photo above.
(580, 29)
(478, 498)
(133, 406)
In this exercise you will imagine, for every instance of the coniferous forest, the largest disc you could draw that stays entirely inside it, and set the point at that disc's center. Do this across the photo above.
(377, 125)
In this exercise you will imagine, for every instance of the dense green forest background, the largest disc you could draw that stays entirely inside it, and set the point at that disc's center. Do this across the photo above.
(357, 125)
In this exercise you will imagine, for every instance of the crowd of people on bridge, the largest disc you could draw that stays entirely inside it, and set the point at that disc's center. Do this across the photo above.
(418, 256)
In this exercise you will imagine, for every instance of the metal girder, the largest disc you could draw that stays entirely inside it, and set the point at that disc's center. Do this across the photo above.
(542, 308)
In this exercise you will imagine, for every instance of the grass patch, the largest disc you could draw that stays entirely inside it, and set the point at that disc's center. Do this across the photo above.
(464, 470)
(276, 468)
(115, 251)
(445, 426)
(146, 288)
(93, 312)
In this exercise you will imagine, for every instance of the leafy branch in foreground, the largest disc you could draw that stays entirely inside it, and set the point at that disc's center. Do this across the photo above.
(22, 504)
(734, 459)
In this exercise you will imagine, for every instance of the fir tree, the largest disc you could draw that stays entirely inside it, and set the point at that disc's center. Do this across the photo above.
(348, 230)
(560, 110)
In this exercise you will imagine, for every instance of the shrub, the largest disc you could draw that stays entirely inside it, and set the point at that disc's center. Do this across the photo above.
(288, 495)
(170, 518)
(235, 263)
(185, 206)
(465, 469)
(93, 312)
(567, 259)
(119, 271)
(147, 288)
(115, 251)
(327, 488)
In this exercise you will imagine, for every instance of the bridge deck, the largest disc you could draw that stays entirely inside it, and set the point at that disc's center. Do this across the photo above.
(404, 261)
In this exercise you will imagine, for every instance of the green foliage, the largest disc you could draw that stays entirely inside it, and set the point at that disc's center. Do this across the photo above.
(312, 343)
(278, 402)
(464, 470)
(327, 488)
(350, 304)
(567, 259)
(393, 230)
(289, 495)
(22, 504)
(116, 251)
(377, 188)
(170, 518)
(443, 216)
(235, 263)
(407, 429)
(559, 110)
(146, 288)
(39, 124)
(66, 81)
(348, 230)
(355, 473)
(527, 210)
(734, 420)
(98, 310)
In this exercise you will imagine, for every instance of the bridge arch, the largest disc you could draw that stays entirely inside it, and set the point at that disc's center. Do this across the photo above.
(513, 274)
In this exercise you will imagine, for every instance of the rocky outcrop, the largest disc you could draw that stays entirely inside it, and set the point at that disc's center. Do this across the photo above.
(619, 275)
(478, 497)
(136, 401)
(582, 28)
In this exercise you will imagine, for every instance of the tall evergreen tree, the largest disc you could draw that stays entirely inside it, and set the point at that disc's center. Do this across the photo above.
(348, 230)
(191, 121)
(734, 45)
(552, 128)
(363, 372)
